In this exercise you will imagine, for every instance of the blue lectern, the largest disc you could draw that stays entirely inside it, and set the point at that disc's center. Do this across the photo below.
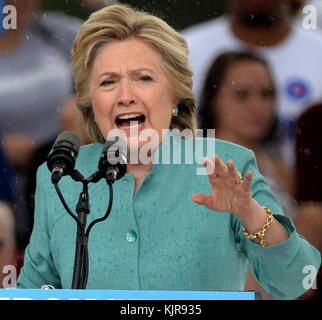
(64, 294)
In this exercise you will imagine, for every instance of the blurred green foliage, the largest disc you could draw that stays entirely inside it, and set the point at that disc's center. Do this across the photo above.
(178, 13)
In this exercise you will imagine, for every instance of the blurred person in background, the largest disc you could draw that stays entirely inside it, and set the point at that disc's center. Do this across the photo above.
(309, 182)
(35, 81)
(238, 100)
(35, 77)
(270, 29)
(8, 252)
(6, 177)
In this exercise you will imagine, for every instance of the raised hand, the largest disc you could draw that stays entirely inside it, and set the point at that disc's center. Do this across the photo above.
(228, 191)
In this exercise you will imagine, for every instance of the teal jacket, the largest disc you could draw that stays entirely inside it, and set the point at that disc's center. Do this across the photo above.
(160, 239)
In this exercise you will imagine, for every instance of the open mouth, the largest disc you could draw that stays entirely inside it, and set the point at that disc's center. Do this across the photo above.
(130, 121)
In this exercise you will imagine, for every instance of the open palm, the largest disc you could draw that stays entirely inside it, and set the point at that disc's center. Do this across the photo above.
(228, 192)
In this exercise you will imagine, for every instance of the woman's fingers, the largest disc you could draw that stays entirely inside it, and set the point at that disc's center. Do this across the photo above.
(209, 167)
(220, 166)
(217, 168)
(227, 184)
(247, 181)
(233, 173)
(202, 199)
(214, 168)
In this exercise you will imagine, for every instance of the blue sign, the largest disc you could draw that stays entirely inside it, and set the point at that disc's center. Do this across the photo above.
(63, 294)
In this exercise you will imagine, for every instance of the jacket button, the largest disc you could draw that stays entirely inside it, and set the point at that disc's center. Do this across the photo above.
(131, 236)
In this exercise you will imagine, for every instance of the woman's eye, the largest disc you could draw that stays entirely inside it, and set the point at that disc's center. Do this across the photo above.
(107, 82)
(145, 78)
(268, 93)
(242, 94)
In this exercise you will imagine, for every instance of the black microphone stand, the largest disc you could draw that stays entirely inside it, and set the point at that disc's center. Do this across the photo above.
(81, 262)
(82, 210)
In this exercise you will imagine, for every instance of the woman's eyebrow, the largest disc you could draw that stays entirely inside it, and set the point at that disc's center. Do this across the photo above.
(142, 69)
(111, 74)
(114, 73)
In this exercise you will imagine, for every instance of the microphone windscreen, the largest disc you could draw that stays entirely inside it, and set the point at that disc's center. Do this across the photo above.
(117, 143)
(71, 137)
(114, 156)
(64, 152)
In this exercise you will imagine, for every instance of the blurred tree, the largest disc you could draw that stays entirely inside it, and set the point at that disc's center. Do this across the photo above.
(71, 7)
(182, 13)
(178, 13)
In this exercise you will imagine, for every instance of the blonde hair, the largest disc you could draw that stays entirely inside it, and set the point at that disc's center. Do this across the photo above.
(119, 22)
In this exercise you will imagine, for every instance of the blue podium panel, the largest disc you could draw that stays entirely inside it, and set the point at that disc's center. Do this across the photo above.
(63, 294)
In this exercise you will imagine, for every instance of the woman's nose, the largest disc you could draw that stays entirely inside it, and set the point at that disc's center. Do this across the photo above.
(256, 100)
(126, 93)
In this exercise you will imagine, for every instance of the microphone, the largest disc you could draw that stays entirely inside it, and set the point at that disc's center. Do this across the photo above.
(62, 156)
(112, 164)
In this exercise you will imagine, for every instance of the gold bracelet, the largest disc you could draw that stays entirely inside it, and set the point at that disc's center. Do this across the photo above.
(260, 234)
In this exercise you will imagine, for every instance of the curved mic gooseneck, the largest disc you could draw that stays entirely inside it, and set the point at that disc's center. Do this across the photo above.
(112, 166)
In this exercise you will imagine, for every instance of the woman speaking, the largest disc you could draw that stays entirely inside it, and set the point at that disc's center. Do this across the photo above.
(170, 228)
